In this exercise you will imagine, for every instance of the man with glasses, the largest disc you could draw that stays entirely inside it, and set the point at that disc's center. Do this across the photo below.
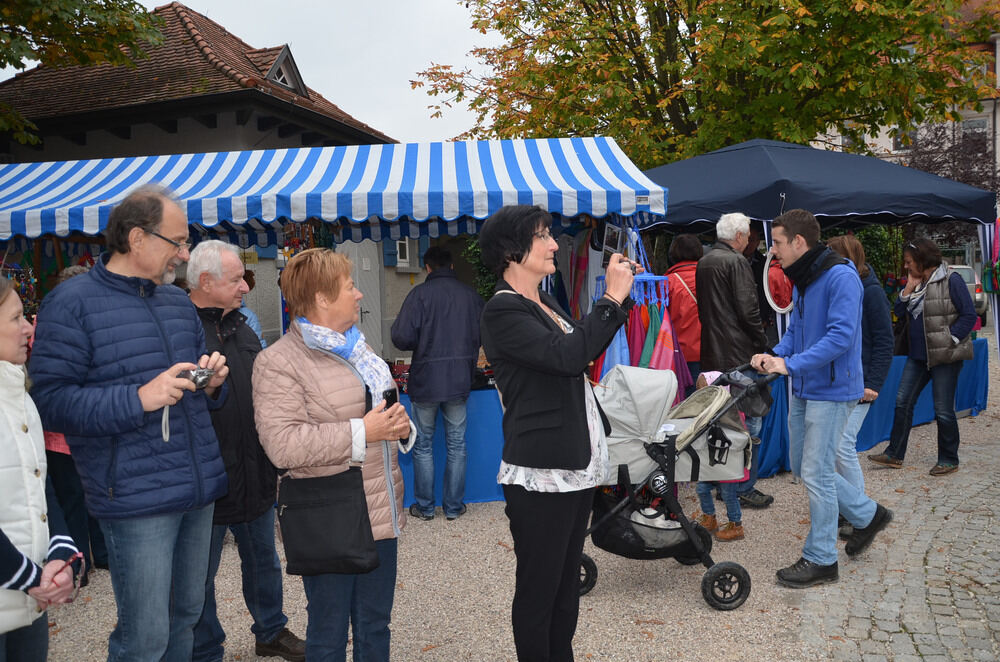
(110, 368)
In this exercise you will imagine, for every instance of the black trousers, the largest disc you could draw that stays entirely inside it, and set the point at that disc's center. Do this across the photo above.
(548, 530)
(83, 528)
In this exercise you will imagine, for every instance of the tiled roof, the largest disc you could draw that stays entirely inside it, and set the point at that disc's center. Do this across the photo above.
(197, 57)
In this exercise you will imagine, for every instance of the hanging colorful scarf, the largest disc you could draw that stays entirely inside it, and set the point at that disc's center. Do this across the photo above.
(617, 352)
(636, 334)
(654, 329)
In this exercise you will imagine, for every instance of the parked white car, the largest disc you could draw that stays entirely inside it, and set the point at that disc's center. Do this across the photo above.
(971, 278)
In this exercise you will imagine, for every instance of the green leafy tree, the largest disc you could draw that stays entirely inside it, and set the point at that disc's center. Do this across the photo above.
(69, 32)
(670, 79)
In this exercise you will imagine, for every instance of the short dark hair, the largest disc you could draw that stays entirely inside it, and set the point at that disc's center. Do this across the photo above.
(437, 257)
(924, 252)
(801, 222)
(507, 235)
(685, 248)
(142, 208)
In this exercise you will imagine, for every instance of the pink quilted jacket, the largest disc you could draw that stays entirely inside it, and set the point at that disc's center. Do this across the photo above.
(303, 402)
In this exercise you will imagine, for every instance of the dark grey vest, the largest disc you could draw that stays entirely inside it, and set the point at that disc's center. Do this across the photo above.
(939, 315)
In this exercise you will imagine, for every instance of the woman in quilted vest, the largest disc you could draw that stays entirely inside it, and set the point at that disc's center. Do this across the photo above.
(937, 305)
(38, 560)
(314, 419)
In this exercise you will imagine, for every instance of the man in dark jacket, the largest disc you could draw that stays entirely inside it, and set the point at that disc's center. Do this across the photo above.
(108, 366)
(731, 330)
(215, 275)
(439, 322)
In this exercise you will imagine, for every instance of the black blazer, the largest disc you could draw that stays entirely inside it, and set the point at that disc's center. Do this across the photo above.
(540, 373)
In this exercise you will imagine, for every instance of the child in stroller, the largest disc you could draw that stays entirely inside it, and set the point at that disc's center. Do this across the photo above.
(637, 515)
(733, 529)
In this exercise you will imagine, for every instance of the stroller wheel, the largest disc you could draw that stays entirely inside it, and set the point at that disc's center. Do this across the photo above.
(725, 585)
(588, 574)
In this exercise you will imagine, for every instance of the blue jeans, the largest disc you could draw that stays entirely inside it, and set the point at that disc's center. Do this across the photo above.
(27, 644)
(815, 429)
(425, 419)
(729, 496)
(944, 379)
(847, 451)
(364, 601)
(158, 568)
(261, 570)
(754, 424)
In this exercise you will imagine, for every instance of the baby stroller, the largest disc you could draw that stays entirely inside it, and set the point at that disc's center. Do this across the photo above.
(702, 438)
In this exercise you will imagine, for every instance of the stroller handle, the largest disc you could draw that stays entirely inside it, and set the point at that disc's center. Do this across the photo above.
(765, 380)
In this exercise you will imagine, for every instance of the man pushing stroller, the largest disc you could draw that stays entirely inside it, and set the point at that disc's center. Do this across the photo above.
(821, 352)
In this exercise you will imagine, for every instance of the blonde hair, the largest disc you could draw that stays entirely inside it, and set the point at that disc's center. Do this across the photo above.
(316, 270)
(6, 287)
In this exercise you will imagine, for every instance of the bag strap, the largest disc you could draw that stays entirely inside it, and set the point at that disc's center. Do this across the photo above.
(686, 288)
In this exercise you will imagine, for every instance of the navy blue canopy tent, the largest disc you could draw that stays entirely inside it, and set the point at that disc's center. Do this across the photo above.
(762, 178)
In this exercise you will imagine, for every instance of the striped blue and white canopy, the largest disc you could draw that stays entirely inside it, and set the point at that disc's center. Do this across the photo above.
(367, 191)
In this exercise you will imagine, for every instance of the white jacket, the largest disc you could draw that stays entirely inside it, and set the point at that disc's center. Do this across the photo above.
(23, 513)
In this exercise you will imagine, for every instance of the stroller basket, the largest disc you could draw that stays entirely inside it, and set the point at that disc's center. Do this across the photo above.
(639, 532)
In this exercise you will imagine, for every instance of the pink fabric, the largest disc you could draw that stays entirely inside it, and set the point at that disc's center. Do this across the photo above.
(636, 335)
(56, 442)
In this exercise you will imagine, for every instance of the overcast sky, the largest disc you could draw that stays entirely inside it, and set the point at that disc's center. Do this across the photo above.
(360, 55)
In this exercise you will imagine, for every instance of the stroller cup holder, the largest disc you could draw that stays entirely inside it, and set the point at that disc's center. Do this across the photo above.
(718, 446)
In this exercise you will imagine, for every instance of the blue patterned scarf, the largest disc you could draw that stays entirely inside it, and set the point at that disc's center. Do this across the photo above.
(351, 347)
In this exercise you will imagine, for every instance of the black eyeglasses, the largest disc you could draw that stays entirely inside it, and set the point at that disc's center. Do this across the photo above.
(544, 235)
(180, 246)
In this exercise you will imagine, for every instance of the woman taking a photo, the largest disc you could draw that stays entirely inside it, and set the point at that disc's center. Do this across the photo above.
(37, 563)
(940, 313)
(554, 451)
(313, 420)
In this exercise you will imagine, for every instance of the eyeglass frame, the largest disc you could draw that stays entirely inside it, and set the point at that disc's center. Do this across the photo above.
(180, 246)
(544, 235)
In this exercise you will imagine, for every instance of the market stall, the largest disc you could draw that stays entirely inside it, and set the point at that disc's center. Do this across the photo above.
(377, 192)
(840, 189)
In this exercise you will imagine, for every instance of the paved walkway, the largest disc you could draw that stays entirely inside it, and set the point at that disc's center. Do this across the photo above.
(927, 589)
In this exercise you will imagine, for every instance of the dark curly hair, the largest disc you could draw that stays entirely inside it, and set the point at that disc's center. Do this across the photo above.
(924, 253)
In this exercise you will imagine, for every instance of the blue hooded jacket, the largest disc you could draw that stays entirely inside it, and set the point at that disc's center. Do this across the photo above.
(100, 337)
(822, 347)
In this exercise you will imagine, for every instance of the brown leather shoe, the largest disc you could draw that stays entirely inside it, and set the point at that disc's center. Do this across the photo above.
(729, 532)
(884, 460)
(707, 521)
(940, 469)
(286, 645)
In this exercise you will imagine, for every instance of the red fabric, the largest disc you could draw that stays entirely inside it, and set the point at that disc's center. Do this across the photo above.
(56, 442)
(636, 335)
(683, 309)
(778, 283)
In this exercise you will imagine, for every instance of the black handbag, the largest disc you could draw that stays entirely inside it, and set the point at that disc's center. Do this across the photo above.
(325, 526)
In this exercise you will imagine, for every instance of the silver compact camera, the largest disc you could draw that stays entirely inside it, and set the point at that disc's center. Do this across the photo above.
(200, 376)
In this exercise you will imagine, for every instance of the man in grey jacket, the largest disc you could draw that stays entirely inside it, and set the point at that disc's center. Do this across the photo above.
(731, 330)
(439, 322)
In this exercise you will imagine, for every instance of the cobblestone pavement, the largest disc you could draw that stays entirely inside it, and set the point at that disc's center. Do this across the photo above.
(927, 589)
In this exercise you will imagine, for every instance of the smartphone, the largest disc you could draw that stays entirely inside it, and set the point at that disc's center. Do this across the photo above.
(390, 397)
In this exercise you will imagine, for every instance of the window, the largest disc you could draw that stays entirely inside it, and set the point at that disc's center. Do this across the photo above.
(281, 77)
(402, 253)
(903, 141)
(975, 126)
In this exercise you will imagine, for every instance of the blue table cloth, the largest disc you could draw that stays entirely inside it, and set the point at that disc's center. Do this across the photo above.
(484, 435)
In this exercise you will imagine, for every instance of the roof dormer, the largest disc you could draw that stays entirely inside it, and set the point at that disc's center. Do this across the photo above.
(284, 72)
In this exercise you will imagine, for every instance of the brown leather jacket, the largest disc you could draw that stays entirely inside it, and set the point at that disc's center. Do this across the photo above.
(304, 400)
(731, 330)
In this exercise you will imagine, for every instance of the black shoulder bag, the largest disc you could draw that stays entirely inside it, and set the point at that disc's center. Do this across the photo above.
(325, 526)
(324, 521)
